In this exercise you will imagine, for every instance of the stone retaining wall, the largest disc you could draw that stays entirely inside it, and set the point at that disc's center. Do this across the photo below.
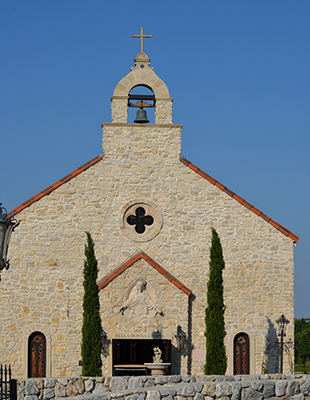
(174, 387)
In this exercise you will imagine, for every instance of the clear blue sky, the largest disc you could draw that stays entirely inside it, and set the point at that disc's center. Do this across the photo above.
(238, 72)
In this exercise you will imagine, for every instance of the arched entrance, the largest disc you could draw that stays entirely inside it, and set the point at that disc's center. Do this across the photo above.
(36, 355)
(241, 354)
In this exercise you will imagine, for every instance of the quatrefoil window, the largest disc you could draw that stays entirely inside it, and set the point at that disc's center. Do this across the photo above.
(140, 220)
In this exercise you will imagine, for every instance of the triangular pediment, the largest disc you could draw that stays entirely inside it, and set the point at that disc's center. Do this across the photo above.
(131, 261)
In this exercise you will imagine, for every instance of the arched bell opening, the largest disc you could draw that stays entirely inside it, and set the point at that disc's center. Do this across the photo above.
(141, 105)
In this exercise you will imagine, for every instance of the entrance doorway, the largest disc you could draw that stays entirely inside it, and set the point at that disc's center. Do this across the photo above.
(138, 351)
(36, 355)
(241, 354)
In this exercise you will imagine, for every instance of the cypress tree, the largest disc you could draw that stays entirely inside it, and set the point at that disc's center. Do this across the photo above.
(216, 360)
(91, 329)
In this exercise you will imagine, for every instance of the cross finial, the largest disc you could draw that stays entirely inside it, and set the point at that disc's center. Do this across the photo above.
(142, 36)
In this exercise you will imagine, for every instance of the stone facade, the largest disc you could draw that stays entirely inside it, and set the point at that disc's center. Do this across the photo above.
(140, 165)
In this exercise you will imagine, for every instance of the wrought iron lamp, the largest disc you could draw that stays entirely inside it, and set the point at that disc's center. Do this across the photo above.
(282, 324)
(280, 346)
(7, 226)
(181, 339)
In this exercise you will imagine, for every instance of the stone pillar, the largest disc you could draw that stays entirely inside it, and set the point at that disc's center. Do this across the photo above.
(119, 109)
(163, 111)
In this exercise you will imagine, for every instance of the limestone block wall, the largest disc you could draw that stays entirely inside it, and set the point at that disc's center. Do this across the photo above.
(163, 112)
(119, 110)
(146, 147)
(176, 387)
(43, 287)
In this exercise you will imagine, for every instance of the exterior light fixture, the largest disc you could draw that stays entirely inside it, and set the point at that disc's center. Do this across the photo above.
(282, 324)
(277, 347)
(7, 226)
(181, 339)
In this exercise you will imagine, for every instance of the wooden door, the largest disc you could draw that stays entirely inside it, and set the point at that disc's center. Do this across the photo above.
(37, 355)
(241, 354)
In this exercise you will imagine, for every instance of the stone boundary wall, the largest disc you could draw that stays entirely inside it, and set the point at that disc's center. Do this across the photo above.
(174, 387)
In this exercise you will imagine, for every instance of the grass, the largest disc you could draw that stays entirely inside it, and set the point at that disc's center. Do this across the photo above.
(303, 368)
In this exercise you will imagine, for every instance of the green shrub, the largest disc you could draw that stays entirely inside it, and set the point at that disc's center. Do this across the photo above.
(216, 360)
(91, 329)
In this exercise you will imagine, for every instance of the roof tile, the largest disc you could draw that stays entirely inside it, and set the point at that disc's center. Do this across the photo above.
(265, 217)
(229, 192)
(238, 198)
(219, 185)
(247, 205)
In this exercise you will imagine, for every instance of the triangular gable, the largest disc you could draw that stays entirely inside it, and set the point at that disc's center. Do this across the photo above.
(193, 167)
(136, 257)
(54, 186)
(240, 200)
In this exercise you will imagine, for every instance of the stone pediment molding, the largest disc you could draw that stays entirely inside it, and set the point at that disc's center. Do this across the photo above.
(131, 261)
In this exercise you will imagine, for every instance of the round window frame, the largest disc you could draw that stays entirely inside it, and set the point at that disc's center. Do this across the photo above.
(129, 231)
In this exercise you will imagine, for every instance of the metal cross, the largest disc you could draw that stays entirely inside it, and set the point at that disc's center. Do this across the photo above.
(142, 36)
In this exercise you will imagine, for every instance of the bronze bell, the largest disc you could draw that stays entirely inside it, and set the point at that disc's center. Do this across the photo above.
(141, 117)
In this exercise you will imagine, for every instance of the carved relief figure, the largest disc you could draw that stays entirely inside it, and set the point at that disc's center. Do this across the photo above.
(139, 304)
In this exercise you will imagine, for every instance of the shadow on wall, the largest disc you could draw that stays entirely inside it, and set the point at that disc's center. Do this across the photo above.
(185, 347)
(176, 358)
(271, 357)
(189, 349)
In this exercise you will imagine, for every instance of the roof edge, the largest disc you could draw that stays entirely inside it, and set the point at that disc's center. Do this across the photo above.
(54, 186)
(132, 260)
(240, 200)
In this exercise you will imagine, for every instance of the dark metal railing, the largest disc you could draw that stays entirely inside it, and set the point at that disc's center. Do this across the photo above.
(8, 387)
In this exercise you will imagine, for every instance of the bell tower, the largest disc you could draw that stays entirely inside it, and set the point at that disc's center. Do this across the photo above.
(141, 75)
(159, 141)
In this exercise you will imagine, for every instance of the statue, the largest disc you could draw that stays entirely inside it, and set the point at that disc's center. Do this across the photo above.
(139, 304)
(157, 367)
(157, 355)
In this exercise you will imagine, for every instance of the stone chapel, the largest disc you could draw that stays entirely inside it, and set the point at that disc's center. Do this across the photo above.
(150, 212)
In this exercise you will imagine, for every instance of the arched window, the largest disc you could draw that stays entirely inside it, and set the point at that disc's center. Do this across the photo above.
(241, 354)
(36, 355)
